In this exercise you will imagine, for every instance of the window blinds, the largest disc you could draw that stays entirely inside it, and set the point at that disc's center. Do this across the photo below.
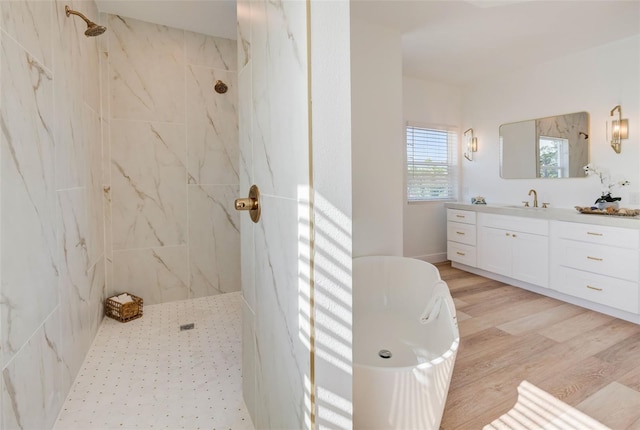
(432, 164)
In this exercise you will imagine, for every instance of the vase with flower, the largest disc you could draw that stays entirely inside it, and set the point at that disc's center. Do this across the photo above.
(607, 186)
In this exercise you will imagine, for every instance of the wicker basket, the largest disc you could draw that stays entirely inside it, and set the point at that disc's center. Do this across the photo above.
(123, 312)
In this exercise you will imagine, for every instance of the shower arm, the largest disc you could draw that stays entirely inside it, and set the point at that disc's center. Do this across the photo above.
(70, 11)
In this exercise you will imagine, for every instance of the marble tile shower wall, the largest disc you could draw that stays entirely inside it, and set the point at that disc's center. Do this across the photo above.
(172, 233)
(52, 231)
(161, 188)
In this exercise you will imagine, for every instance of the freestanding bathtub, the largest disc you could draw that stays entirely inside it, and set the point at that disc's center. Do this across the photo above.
(405, 341)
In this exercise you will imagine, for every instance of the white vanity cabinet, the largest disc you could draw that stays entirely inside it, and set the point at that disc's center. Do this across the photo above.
(596, 263)
(461, 236)
(516, 247)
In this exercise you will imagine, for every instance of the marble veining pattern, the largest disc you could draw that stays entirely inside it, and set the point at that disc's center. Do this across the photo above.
(244, 33)
(29, 23)
(173, 171)
(212, 127)
(214, 240)
(30, 402)
(148, 192)
(146, 70)
(157, 275)
(95, 211)
(272, 87)
(28, 263)
(208, 51)
(278, 319)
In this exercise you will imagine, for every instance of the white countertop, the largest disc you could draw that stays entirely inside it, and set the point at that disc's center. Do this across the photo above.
(570, 215)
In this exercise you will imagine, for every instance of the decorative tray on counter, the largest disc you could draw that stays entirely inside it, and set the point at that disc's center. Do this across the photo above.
(608, 211)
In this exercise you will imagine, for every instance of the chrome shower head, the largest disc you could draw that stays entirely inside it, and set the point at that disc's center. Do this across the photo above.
(93, 29)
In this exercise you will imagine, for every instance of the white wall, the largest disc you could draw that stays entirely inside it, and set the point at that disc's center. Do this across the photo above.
(377, 144)
(331, 95)
(425, 235)
(595, 81)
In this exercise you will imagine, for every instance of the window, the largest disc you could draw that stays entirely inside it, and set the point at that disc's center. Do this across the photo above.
(432, 163)
(553, 157)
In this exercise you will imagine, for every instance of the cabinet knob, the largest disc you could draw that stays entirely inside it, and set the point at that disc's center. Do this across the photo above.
(507, 234)
(460, 253)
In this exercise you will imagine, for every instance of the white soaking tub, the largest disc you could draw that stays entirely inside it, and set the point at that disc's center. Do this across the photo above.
(405, 341)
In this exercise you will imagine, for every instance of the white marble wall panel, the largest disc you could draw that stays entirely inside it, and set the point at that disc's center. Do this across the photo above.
(52, 241)
(148, 190)
(106, 148)
(108, 246)
(31, 393)
(157, 275)
(279, 70)
(88, 64)
(82, 285)
(214, 240)
(244, 33)
(28, 263)
(71, 141)
(283, 360)
(212, 127)
(146, 70)
(93, 131)
(246, 180)
(214, 52)
(29, 22)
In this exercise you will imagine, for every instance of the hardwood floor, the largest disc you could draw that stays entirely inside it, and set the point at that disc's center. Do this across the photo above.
(588, 360)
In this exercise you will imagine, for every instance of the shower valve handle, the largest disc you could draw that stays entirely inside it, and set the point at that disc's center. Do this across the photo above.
(246, 204)
(251, 204)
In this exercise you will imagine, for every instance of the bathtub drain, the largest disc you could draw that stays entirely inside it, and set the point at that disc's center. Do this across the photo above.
(384, 353)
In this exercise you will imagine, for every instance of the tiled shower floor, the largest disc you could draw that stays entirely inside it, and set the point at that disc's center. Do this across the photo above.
(147, 374)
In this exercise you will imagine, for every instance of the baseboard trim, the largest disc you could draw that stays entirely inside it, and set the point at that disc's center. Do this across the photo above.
(432, 258)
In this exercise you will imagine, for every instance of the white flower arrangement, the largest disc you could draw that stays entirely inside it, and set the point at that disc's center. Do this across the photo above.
(607, 184)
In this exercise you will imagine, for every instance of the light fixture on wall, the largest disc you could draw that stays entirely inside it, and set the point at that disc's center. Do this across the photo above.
(470, 143)
(619, 130)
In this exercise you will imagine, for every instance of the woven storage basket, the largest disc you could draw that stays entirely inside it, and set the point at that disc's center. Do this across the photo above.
(123, 312)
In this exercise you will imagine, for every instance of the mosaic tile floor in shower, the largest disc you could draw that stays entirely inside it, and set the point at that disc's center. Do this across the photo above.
(147, 374)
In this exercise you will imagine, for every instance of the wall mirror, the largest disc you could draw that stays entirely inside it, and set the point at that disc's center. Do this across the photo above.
(551, 147)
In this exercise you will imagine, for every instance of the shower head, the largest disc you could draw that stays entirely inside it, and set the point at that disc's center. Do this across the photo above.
(93, 29)
(220, 87)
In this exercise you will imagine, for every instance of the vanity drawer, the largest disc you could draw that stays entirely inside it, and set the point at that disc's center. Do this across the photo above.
(606, 260)
(457, 215)
(461, 253)
(608, 291)
(598, 234)
(462, 233)
(513, 223)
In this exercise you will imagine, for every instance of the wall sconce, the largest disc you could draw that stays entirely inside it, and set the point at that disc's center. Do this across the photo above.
(619, 130)
(471, 144)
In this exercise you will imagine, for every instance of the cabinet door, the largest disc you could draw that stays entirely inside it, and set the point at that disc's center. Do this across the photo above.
(494, 250)
(530, 255)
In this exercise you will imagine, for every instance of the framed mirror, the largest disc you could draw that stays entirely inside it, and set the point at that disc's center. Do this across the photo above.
(553, 147)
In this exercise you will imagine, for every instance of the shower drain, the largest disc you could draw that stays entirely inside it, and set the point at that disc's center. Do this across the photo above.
(384, 353)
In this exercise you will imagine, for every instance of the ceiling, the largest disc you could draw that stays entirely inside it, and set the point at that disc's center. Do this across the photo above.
(452, 41)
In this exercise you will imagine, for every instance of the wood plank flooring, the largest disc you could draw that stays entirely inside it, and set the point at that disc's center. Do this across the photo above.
(586, 359)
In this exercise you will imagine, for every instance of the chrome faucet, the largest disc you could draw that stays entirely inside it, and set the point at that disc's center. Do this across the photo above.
(535, 197)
